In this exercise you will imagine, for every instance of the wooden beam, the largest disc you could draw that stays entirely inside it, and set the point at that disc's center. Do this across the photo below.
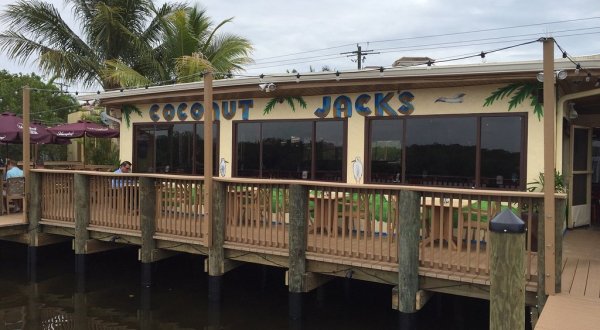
(156, 255)
(95, 246)
(309, 281)
(13, 230)
(26, 146)
(422, 298)
(182, 247)
(549, 162)
(208, 155)
(224, 266)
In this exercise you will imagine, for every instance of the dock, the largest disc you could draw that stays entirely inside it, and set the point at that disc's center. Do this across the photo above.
(577, 307)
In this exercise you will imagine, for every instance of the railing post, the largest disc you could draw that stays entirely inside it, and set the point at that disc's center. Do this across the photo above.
(147, 226)
(408, 250)
(541, 256)
(216, 258)
(81, 195)
(507, 275)
(35, 207)
(297, 249)
(560, 218)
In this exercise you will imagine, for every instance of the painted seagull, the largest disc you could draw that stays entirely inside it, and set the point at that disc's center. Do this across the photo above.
(458, 98)
(223, 167)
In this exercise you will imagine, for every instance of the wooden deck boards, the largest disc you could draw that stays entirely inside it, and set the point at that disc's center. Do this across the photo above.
(577, 307)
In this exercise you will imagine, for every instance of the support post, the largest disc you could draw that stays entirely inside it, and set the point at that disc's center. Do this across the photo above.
(148, 227)
(208, 154)
(216, 255)
(82, 220)
(507, 273)
(541, 258)
(297, 249)
(408, 250)
(26, 144)
(561, 217)
(549, 168)
(35, 208)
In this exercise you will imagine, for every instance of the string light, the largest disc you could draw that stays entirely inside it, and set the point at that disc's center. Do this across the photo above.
(337, 76)
(297, 77)
(577, 68)
(483, 60)
(381, 69)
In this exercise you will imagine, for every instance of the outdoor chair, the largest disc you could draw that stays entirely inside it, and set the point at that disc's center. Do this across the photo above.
(15, 192)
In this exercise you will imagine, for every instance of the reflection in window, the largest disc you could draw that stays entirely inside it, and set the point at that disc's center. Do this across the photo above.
(441, 151)
(501, 151)
(170, 148)
(445, 151)
(386, 150)
(248, 149)
(287, 149)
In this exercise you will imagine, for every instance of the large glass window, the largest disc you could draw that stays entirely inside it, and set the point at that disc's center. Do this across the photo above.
(386, 150)
(329, 150)
(460, 151)
(501, 154)
(171, 148)
(299, 149)
(441, 150)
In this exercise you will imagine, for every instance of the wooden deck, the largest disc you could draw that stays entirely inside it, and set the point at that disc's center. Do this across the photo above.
(578, 304)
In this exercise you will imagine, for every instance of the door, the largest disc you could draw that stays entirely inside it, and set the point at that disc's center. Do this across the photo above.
(580, 178)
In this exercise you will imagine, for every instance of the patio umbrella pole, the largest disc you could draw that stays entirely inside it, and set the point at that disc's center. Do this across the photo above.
(26, 145)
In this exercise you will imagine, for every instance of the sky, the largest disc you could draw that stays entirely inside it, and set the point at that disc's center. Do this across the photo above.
(307, 34)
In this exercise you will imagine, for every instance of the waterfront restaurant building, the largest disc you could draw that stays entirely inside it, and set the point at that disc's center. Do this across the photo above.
(411, 126)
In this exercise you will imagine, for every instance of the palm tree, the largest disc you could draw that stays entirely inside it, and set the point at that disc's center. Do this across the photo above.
(122, 43)
(280, 99)
(522, 91)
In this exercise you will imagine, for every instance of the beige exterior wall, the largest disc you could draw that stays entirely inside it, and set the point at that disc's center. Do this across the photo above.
(424, 104)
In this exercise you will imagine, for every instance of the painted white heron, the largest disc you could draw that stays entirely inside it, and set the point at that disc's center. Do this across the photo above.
(357, 169)
(223, 166)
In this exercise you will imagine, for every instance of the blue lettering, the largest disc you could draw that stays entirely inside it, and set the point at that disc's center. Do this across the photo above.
(342, 104)
(181, 115)
(216, 111)
(324, 111)
(197, 111)
(153, 110)
(168, 112)
(381, 104)
(246, 105)
(407, 107)
(361, 109)
(226, 113)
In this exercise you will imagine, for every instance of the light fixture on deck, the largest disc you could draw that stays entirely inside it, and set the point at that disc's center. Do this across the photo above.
(270, 87)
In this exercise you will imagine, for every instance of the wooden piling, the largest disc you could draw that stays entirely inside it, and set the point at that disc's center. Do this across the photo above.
(298, 237)
(215, 252)
(82, 212)
(35, 207)
(507, 275)
(148, 227)
(541, 260)
(408, 250)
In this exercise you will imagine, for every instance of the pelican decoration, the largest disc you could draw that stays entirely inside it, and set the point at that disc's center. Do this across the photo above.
(223, 167)
(357, 169)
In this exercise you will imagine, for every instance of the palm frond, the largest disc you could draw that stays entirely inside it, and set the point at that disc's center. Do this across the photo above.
(270, 105)
(127, 110)
(118, 73)
(517, 92)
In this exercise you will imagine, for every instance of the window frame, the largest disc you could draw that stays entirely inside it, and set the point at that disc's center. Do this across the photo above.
(478, 117)
(313, 122)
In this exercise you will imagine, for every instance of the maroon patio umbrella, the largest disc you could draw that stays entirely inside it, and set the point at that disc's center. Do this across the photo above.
(11, 130)
(83, 128)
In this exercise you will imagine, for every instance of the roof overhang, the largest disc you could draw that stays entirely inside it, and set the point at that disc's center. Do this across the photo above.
(324, 83)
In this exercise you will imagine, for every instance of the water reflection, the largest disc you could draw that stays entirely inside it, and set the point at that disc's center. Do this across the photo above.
(252, 297)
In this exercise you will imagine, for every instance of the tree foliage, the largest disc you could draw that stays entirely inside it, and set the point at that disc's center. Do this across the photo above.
(122, 43)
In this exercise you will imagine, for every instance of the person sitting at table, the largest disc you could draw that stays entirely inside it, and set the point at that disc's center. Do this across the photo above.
(13, 171)
(124, 168)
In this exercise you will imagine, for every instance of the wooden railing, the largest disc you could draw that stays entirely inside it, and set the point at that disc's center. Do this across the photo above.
(350, 224)
(57, 201)
(179, 207)
(114, 201)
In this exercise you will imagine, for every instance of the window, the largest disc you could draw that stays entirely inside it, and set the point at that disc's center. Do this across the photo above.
(460, 151)
(171, 148)
(298, 149)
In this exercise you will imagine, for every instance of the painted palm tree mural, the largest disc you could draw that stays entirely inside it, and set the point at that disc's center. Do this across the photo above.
(518, 93)
(290, 100)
